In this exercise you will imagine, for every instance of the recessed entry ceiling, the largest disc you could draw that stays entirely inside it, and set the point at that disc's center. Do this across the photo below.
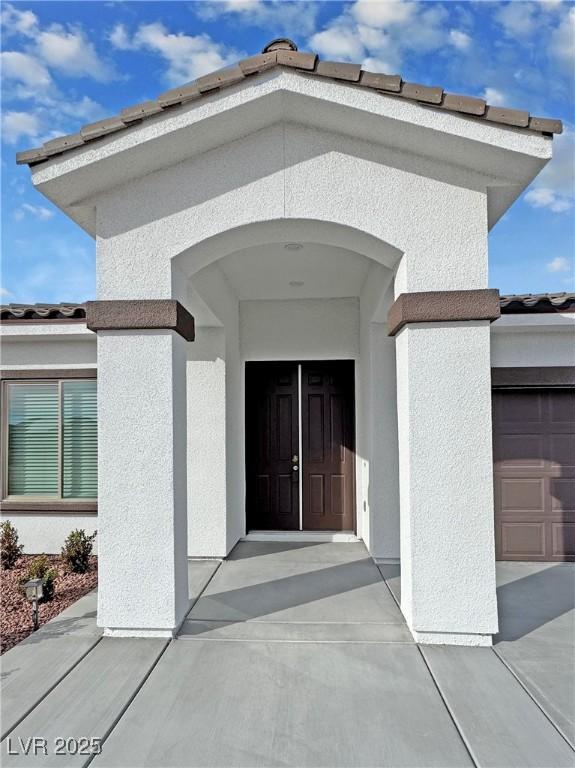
(311, 272)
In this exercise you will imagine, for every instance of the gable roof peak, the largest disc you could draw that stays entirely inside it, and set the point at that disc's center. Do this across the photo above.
(283, 52)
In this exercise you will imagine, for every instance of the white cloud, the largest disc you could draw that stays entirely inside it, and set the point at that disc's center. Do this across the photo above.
(37, 211)
(52, 118)
(66, 49)
(27, 77)
(372, 64)
(459, 39)
(15, 125)
(25, 69)
(188, 56)
(381, 32)
(562, 43)
(382, 13)
(242, 6)
(550, 22)
(554, 188)
(339, 42)
(559, 264)
(19, 22)
(517, 19)
(120, 39)
(279, 15)
(86, 109)
(494, 96)
(6, 293)
(427, 31)
(559, 173)
(70, 52)
(542, 197)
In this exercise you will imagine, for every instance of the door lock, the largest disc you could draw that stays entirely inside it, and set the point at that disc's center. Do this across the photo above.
(295, 460)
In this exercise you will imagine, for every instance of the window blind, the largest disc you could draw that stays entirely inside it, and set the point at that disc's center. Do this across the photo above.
(33, 440)
(79, 440)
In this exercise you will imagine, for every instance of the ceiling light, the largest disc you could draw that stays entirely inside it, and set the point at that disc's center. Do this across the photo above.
(293, 246)
(296, 283)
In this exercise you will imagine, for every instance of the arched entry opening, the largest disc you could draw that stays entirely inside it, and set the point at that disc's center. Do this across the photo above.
(291, 362)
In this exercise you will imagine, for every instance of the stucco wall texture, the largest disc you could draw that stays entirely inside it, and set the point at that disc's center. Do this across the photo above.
(306, 329)
(377, 448)
(291, 172)
(446, 486)
(142, 446)
(167, 199)
(47, 533)
(207, 455)
(63, 353)
(377, 500)
(546, 346)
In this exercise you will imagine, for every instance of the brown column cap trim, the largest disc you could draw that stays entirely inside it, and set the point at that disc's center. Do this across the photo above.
(442, 307)
(552, 376)
(50, 507)
(142, 314)
(57, 373)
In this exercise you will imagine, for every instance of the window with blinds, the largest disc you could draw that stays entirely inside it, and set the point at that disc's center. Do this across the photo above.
(51, 440)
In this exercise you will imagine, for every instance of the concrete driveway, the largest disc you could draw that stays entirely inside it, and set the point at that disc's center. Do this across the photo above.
(298, 655)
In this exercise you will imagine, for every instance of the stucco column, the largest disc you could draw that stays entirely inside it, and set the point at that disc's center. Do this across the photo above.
(206, 385)
(142, 522)
(445, 464)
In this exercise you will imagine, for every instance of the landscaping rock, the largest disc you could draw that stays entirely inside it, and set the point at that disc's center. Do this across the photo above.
(16, 611)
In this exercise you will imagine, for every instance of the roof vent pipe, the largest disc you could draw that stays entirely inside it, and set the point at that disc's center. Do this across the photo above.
(280, 44)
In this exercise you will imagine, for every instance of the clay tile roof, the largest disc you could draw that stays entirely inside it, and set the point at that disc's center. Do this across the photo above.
(512, 304)
(34, 312)
(537, 302)
(284, 53)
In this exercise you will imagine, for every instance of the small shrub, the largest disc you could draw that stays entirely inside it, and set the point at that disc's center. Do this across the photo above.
(9, 547)
(40, 568)
(77, 550)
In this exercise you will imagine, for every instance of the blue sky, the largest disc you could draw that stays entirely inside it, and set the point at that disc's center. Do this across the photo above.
(68, 63)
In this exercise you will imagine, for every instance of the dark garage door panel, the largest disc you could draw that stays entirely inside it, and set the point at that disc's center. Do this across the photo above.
(534, 471)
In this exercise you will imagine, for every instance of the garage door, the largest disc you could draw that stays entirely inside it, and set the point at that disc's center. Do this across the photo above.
(534, 457)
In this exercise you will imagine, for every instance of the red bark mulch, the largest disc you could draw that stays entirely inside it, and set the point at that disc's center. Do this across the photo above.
(16, 611)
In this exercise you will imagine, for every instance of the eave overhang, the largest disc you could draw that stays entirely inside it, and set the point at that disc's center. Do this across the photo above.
(504, 159)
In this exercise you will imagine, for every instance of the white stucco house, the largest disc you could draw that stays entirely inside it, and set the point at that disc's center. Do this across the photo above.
(293, 336)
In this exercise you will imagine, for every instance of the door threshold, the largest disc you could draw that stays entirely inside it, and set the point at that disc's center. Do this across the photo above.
(307, 536)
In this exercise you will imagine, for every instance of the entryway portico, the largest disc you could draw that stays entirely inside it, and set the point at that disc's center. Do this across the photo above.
(389, 202)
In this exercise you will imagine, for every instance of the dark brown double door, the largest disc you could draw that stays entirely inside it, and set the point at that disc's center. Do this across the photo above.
(284, 441)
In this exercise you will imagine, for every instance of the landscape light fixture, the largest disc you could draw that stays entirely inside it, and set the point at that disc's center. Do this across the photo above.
(34, 591)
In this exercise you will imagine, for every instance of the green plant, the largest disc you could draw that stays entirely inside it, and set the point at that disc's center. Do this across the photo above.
(77, 550)
(40, 568)
(9, 547)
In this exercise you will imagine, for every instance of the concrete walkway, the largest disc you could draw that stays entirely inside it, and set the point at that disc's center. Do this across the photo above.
(298, 655)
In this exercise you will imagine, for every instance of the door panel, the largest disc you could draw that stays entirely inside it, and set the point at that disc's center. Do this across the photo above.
(328, 431)
(534, 474)
(272, 486)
